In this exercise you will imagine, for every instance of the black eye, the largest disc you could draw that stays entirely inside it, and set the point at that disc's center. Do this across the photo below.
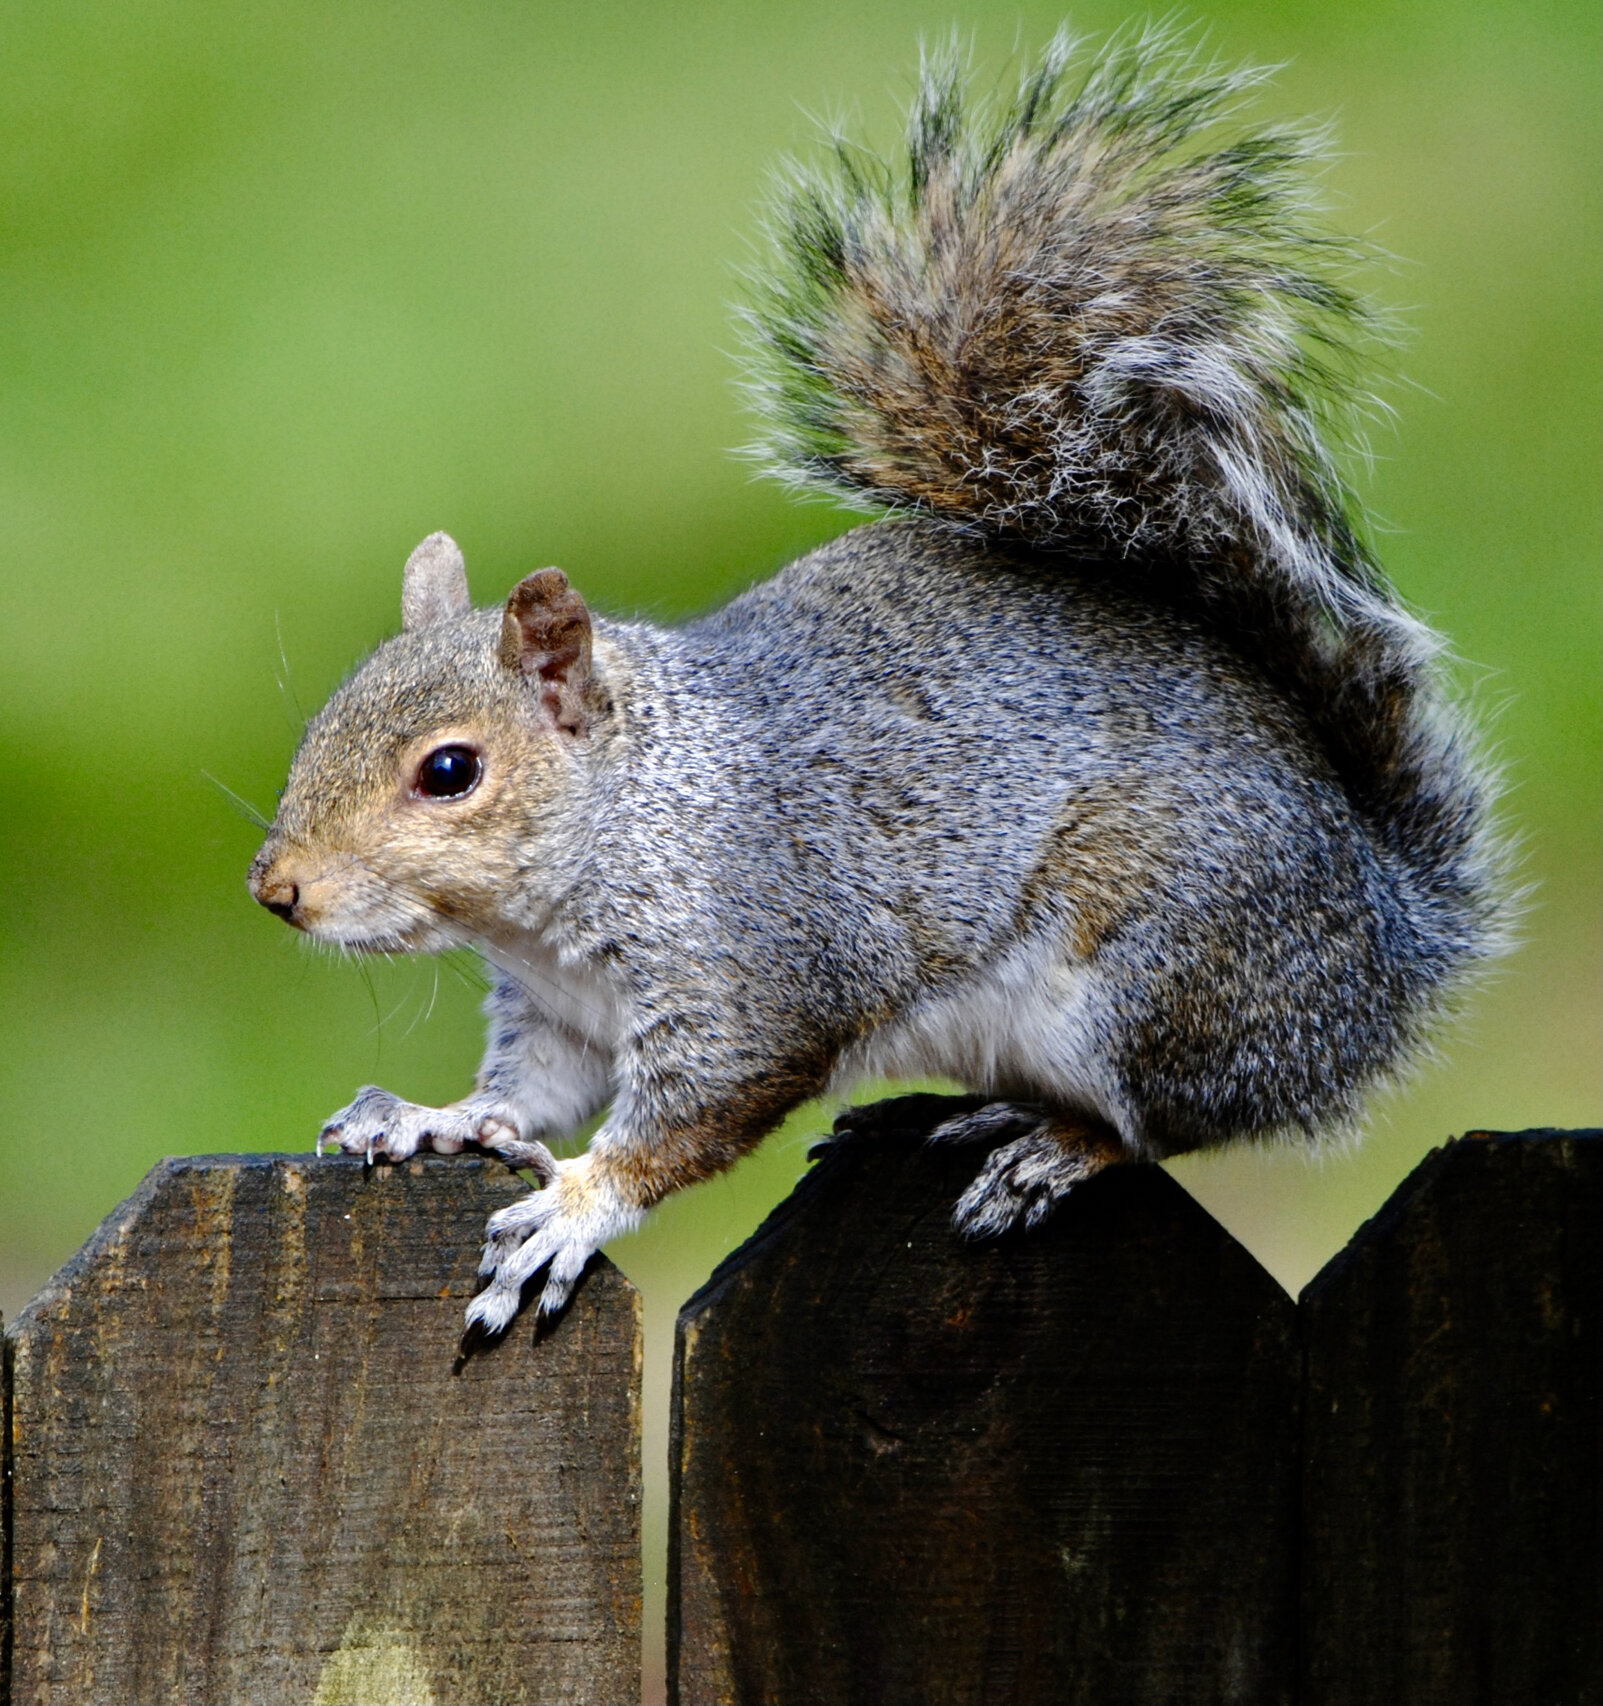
(449, 771)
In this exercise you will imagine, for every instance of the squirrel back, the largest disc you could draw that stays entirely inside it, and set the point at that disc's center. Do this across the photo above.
(1078, 326)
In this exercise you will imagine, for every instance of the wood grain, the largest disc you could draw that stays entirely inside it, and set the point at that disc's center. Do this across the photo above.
(244, 1471)
(1058, 1466)
(1452, 1551)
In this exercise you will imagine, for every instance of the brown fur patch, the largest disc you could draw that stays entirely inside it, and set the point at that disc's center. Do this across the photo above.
(1103, 860)
(1095, 1144)
(698, 1142)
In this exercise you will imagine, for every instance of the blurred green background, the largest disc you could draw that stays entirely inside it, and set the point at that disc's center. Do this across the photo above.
(283, 288)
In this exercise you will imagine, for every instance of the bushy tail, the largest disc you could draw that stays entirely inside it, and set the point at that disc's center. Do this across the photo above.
(1082, 322)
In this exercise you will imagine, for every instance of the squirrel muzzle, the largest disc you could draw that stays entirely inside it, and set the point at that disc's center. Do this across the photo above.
(271, 887)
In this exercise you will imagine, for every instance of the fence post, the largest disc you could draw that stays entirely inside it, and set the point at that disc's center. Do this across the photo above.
(1054, 1467)
(242, 1469)
(1452, 1552)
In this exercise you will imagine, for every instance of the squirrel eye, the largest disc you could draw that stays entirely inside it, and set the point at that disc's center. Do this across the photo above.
(449, 772)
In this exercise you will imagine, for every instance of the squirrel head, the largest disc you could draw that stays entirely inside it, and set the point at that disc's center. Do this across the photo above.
(425, 789)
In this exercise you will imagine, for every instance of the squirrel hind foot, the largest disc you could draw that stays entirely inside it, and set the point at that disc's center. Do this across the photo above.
(1041, 1157)
(873, 1120)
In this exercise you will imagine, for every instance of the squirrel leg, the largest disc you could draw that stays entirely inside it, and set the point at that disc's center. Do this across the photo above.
(537, 1075)
(671, 1125)
(1042, 1157)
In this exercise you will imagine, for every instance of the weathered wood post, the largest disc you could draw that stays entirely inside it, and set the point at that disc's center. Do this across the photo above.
(242, 1469)
(1452, 1551)
(1057, 1467)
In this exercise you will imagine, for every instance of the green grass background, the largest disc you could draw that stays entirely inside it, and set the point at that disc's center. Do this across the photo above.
(283, 288)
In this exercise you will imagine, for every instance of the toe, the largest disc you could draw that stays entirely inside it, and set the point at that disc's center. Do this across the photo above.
(500, 1138)
(990, 1124)
(525, 1215)
(492, 1310)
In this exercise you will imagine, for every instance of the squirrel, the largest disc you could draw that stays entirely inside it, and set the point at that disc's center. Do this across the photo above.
(1102, 771)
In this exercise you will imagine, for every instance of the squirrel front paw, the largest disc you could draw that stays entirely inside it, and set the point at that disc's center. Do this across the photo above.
(559, 1228)
(384, 1127)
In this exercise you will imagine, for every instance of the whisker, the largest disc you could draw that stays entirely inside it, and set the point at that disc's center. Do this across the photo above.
(421, 1016)
(529, 977)
(406, 996)
(372, 991)
(286, 686)
(593, 1027)
(468, 965)
(241, 804)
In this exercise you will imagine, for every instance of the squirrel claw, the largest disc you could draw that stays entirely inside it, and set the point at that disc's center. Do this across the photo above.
(554, 1231)
(380, 1126)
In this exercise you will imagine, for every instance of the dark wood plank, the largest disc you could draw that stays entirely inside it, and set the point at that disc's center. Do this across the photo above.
(1451, 1511)
(243, 1469)
(1056, 1467)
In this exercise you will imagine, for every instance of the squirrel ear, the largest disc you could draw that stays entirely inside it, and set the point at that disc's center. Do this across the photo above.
(434, 586)
(545, 636)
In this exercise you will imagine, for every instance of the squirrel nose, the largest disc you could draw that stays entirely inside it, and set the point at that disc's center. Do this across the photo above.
(279, 895)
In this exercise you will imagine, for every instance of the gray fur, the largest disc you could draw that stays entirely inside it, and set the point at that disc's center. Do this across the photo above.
(919, 719)
(1108, 779)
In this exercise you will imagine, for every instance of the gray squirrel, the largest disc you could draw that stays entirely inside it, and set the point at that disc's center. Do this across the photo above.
(1103, 773)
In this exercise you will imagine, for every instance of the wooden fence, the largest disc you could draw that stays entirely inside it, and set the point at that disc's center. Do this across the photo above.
(1109, 1461)
(242, 1469)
